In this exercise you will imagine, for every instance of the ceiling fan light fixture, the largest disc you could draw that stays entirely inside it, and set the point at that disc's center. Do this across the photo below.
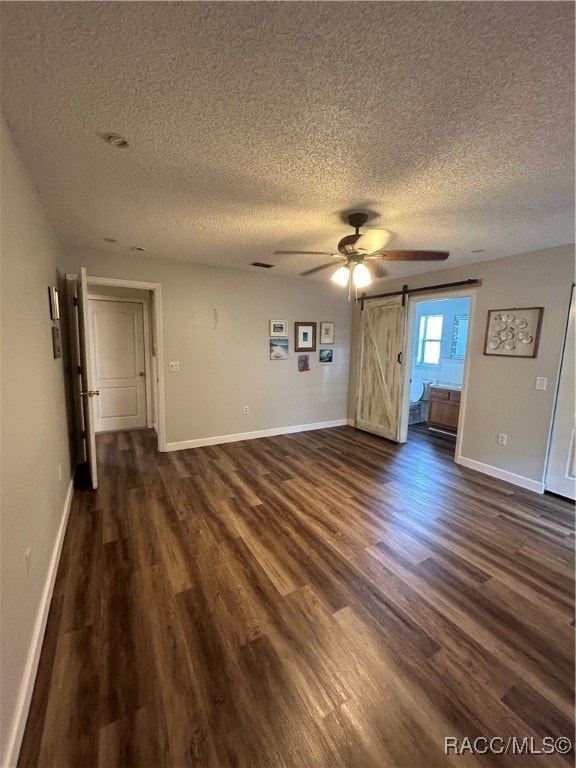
(361, 276)
(341, 276)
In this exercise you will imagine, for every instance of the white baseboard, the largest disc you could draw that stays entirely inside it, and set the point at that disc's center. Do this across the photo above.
(501, 474)
(10, 758)
(181, 446)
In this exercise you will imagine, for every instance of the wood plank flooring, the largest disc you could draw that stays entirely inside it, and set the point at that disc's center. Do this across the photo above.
(317, 600)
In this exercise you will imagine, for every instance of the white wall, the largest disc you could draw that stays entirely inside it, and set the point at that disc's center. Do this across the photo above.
(216, 324)
(34, 440)
(500, 396)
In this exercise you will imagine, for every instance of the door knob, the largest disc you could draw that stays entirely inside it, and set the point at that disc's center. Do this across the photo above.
(90, 393)
(142, 373)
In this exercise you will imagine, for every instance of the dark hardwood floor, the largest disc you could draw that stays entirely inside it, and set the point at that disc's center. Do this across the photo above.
(322, 599)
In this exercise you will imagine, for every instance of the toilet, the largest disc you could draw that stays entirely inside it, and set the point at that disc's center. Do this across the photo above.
(419, 397)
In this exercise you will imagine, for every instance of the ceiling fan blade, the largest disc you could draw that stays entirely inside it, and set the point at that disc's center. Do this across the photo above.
(306, 253)
(376, 268)
(320, 268)
(412, 255)
(372, 240)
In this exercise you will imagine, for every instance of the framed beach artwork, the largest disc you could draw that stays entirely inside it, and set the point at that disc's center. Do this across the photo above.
(278, 328)
(304, 337)
(326, 333)
(326, 355)
(513, 332)
(278, 349)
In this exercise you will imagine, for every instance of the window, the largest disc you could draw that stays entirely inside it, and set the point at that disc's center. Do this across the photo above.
(429, 338)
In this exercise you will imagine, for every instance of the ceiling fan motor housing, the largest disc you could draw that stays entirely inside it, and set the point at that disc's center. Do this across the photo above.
(347, 246)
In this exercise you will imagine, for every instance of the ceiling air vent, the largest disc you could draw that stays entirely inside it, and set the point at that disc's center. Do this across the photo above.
(261, 265)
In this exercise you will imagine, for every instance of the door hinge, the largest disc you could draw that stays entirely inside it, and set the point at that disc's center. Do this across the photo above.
(84, 434)
(76, 302)
(79, 369)
(400, 357)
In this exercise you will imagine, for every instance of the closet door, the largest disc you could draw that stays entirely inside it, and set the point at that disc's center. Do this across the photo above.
(380, 378)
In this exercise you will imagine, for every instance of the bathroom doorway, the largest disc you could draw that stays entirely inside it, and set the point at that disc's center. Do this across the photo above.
(436, 346)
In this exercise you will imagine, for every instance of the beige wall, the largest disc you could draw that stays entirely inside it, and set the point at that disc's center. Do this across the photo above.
(224, 357)
(34, 441)
(500, 396)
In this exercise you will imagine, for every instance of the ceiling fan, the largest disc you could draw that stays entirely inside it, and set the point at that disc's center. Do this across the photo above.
(364, 247)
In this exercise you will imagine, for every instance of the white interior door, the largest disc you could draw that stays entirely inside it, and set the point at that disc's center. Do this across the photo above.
(380, 380)
(88, 393)
(119, 364)
(561, 472)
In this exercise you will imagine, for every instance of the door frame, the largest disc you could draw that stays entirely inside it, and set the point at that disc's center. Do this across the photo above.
(467, 293)
(147, 345)
(157, 342)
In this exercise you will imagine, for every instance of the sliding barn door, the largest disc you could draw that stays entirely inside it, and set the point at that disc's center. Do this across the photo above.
(380, 378)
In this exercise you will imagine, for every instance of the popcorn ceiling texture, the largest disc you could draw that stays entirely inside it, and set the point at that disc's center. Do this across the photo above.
(254, 126)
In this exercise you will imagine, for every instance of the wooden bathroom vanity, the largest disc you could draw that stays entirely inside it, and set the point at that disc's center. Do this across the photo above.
(444, 408)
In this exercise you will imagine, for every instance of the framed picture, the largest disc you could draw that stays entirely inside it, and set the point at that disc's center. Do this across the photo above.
(326, 333)
(278, 328)
(305, 337)
(303, 363)
(56, 345)
(278, 349)
(326, 355)
(513, 332)
(54, 304)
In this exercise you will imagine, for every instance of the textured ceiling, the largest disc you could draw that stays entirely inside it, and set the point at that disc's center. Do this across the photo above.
(253, 126)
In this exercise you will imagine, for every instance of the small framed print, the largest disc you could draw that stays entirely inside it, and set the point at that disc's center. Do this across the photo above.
(54, 304)
(326, 333)
(513, 332)
(326, 355)
(278, 328)
(56, 345)
(303, 363)
(304, 337)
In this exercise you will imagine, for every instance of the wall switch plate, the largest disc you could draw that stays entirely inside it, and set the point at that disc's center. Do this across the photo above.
(541, 383)
(502, 438)
(246, 410)
(174, 365)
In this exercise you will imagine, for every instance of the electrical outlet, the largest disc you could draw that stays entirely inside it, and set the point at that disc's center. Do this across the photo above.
(541, 383)
(174, 365)
(28, 560)
(246, 410)
(502, 437)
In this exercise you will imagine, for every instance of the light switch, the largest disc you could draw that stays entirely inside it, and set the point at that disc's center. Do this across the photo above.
(174, 365)
(541, 383)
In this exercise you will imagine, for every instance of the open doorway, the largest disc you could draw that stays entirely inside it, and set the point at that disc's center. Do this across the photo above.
(80, 289)
(436, 348)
